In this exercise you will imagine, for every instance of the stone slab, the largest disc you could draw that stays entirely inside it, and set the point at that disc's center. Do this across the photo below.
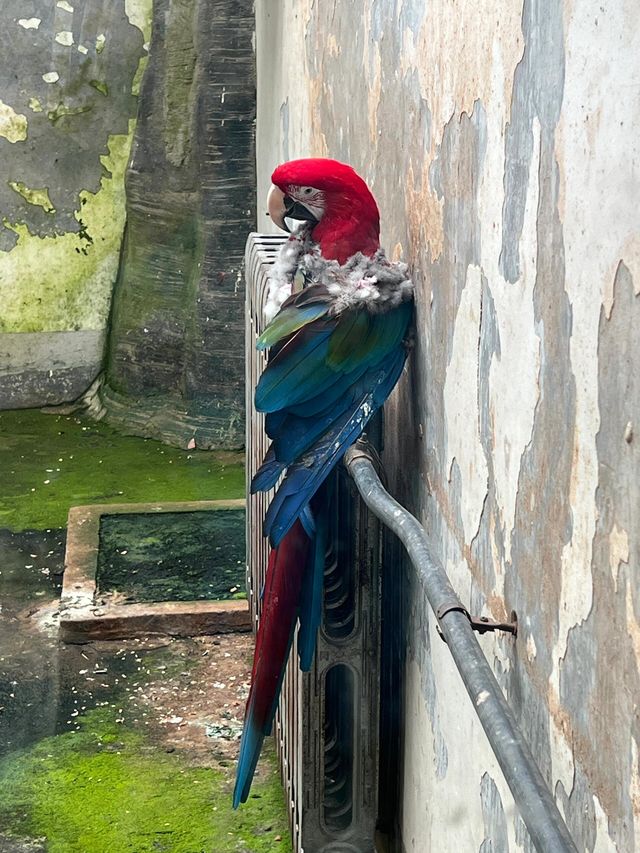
(84, 618)
(47, 368)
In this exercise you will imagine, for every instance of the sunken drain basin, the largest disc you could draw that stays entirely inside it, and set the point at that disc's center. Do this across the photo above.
(172, 556)
(176, 568)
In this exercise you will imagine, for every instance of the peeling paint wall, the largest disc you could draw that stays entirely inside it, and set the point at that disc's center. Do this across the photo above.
(70, 73)
(501, 143)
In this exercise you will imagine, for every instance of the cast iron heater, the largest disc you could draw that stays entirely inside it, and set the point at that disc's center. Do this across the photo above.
(326, 728)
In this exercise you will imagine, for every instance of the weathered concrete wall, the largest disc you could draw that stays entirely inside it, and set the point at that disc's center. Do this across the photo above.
(67, 101)
(175, 367)
(501, 142)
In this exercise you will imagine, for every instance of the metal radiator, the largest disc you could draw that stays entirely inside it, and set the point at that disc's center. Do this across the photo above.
(326, 728)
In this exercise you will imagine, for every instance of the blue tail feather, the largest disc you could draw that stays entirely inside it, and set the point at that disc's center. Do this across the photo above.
(311, 597)
(250, 747)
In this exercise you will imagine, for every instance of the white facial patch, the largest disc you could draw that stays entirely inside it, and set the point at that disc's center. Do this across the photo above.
(310, 197)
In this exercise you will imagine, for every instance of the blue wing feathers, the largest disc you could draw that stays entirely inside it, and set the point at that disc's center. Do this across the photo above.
(267, 474)
(273, 422)
(326, 400)
(304, 478)
(316, 410)
(283, 383)
(310, 614)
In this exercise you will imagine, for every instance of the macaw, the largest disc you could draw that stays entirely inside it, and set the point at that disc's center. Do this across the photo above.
(337, 347)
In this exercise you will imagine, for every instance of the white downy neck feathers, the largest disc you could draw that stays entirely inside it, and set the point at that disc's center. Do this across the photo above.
(375, 283)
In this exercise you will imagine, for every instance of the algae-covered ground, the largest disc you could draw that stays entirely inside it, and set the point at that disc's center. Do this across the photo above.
(51, 462)
(144, 761)
(107, 787)
(121, 746)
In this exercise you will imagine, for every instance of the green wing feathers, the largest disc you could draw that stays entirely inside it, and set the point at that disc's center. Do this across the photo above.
(288, 321)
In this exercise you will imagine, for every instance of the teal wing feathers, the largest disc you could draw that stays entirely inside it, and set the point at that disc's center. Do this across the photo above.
(325, 378)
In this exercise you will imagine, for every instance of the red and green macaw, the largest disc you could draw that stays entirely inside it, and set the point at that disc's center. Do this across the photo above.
(336, 349)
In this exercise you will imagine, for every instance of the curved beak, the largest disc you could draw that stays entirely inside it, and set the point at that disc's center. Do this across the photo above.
(276, 207)
(282, 207)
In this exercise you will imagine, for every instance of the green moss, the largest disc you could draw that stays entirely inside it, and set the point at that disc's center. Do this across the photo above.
(175, 556)
(105, 788)
(13, 125)
(52, 462)
(100, 86)
(137, 80)
(39, 197)
(140, 14)
(65, 282)
(63, 110)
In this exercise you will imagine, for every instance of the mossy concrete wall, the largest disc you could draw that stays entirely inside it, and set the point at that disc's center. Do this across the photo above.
(176, 351)
(73, 97)
(501, 142)
(67, 107)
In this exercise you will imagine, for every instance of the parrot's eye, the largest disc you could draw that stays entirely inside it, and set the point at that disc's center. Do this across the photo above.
(307, 190)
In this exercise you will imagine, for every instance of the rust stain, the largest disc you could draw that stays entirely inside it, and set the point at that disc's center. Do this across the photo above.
(372, 66)
(633, 628)
(592, 123)
(635, 782)
(559, 149)
(585, 749)
(618, 551)
(397, 252)
(373, 97)
(318, 139)
(495, 604)
(333, 48)
(424, 212)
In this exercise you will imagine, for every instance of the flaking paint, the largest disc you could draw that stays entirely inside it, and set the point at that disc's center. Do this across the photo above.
(65, 142)
(64, 282)
(499, 141)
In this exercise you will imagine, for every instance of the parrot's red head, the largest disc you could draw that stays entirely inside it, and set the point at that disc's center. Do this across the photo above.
(334, 198)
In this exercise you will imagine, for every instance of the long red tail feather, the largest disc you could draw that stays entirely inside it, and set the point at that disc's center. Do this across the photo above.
(280, 603)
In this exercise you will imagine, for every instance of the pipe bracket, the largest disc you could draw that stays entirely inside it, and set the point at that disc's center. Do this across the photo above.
(481, 624)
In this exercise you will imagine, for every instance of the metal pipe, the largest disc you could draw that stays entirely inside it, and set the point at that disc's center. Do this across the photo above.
(539, 811)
